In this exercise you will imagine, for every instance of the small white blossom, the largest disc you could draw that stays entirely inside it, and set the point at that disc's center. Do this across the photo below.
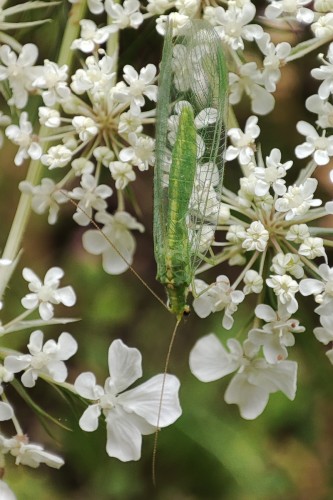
(91, 36)
(103, 155)
(256, 237)
(122, 173)
(140, 153)
(243, 143)
(114, 242)
(255, 379)
(288, 263)
(285, 289)
(321, 289)
(124, 15)
(49, 117)
(47, 359)
(22, 135)
(19, 71)
(233, 26)
(298, 199)
(320, 146)
(253, 282)
(250, 81)
(57, 157)
(96, 78)
(324, 333)
(312, 248)
(218, 297)
(54, 79)
(322, 108)
(132, 413)
(274, 58)
(290, 8)
(187, 7)
(85, 127)
(139, 85)
(130, 122)
(45, 196)
(325, 73)
(273, 175)
(178, 22)
(44, 295)
(91, 197)
(30, 454)
(298, 233)
(158, 7)
(323, 27)
(82, 166)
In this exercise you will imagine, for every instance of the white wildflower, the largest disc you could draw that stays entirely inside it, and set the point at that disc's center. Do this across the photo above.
(126, 15)
(320, 146)
(91, 196)
(91, 36)
(22, 135)
(256, 237)
(298, 199)
(122, 173)
(285, 289)
(140, 153)
(243, 143)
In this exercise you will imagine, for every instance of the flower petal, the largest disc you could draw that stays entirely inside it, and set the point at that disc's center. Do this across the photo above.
(124, 365)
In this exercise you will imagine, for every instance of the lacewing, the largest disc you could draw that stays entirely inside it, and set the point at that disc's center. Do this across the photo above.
(190, 142)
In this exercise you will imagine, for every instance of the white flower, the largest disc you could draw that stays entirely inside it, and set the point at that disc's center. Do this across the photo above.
(49, 117)
(47, 359)
(115, 242)
(320, 146)
(132, 413)
(130, 122)
(272, 175)
(178, 22)
(253, 282)
(312, 248)
(255, 380)
(243, 143)
(325, 73)
(96, 78)
(276, 334)
(288, 263)
(45, 196)
(187, 7)
(122, 173)
(139, 85)
(85, 127)
(29, 454)
(22, 135)
(82, 166)
(322, 289)
(233, 26)
(57, 157)
(124, 15)
(91, 36)
(298, 233)
(217, 297)
(54, 79)
(157, 7)
(92, 197)
(5, 377)
(298, 199)
(290, 8)
(44, 295)
(256, 237)
(324, 333)
(323, 108)
(285, 289)
(323, 27)
(250, 81)
(140, 153)
(19, 72)
(274, 58)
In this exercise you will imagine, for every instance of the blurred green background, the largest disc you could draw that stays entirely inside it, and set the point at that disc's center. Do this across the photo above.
(210, 453)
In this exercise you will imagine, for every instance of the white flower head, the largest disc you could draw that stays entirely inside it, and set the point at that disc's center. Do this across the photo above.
(129, 414)
(256, 237)
(114, 242)
(91, 197)
(22, 135)
(53, 80)
(45, 196)
(290, 9)
(255, 379)
(253, 282)
(126, 15)
(273, 175)
(288, 263)
(85, 127)
(217, 297)
(320, 146)
(140, 152)
(91, 36)
(138, 86)
(47, 359)
(122, 173)
(30, 454)
(322, 289)
(44, 295)
(298, 199)
(243, 143)
(285, 289)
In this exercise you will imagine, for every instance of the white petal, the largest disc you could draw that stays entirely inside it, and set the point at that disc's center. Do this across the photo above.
(251, 399)
(67, 346)
(66, 296)
(209, 360)
(144, 400)
(89, 420)
(265, 312)
(86, 386)
(16, 364)
(310, 286)
(6, 411)
(124, 365)
(5, 492)
(123, 438)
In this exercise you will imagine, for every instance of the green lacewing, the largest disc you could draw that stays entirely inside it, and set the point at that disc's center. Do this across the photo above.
(190, 142)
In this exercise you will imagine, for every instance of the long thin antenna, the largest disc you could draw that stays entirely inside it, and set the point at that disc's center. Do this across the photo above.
(133, 271)
(173, 336)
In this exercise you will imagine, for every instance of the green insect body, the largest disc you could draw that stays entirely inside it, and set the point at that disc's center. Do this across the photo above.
(190, 142)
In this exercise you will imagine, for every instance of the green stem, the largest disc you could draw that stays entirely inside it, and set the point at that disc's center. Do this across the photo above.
(22, 215)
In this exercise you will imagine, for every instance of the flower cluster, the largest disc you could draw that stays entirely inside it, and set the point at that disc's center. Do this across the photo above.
(90, 141)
